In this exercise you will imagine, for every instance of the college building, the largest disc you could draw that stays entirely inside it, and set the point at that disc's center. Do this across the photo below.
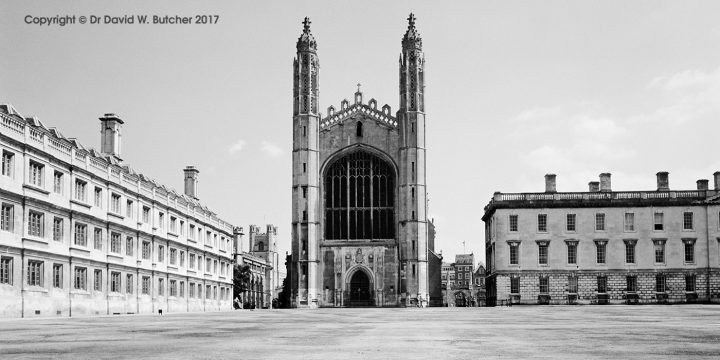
(263, 259)
(604, 246)
(81, 233)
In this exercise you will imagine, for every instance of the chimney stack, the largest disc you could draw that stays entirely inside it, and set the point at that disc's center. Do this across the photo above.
(550, 183)
(663, 181)
(702, 184)
(717, 180)
(191, 181)
(594, 186)
(605, 185)
(110, 136)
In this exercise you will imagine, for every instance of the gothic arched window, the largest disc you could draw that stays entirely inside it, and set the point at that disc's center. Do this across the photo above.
(358, 129)
(261, 246)
(359, 195)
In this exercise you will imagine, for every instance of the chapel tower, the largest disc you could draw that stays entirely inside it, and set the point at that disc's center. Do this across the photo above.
(412, 192)
(305, 168)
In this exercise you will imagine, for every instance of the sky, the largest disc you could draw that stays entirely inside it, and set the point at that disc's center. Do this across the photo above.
(514, 90)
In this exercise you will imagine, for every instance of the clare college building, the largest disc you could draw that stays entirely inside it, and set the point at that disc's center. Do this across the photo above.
(604, 246)
(81, 233)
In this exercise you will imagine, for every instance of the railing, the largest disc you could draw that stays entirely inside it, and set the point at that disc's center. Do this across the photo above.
(622, 195)
(12, 124)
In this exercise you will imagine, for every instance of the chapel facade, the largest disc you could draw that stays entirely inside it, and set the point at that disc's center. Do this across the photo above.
(359, 198)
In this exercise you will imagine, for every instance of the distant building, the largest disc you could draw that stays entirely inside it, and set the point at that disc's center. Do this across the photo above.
(604, 246)
(82, 233)
(260, 253)
(458, 281)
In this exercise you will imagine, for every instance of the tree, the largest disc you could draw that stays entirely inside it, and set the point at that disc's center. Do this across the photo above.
(241, 279)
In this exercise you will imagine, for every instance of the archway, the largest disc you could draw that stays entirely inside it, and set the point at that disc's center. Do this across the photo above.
(360, 289)
(460, 299)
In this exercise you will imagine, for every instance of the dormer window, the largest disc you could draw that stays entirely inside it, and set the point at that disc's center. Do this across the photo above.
(359, 129)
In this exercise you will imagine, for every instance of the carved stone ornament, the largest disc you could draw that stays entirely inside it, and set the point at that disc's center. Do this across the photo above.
(359, 256)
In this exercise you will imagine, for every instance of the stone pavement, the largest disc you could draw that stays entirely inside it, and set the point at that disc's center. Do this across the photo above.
(551, 332)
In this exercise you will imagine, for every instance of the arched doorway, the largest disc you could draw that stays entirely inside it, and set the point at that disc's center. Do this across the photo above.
(460, 299)
(360, 290)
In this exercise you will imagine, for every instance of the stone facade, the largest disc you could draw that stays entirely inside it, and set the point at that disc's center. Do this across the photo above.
(604, 246)
(360, 227)
(83, 234)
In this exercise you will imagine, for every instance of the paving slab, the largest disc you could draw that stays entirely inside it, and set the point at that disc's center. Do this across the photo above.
(548, 332)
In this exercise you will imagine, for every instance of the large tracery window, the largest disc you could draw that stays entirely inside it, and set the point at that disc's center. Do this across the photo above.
(359, 198)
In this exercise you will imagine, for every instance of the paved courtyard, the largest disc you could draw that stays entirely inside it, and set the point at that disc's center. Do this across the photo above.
(552, 332)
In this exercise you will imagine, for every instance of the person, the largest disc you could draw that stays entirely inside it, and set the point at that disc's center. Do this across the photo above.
(237, 303)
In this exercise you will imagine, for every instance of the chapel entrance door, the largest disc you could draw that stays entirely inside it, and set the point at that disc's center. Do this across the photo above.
(360, 290)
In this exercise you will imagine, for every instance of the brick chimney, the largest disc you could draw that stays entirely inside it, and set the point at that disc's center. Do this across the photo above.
(594, 186)
(663, 181)
(110, 135)
(191, 181)
(702, 184)
(550, 183)
(605, 185)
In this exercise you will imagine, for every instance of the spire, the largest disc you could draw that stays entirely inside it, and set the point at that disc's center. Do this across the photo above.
(306, 41)
(412, 39)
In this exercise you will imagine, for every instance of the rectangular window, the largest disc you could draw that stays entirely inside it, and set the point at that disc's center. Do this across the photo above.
(688, 221)
(602, 284)
(97, 284)
(572, 253)
(80, 190)
(115, 203)
(215, 264)
(80, 278)
(161, 220)
(543, 253)
(544, 284)
(629, 221)
(192, 232)
(689, 247)
(199, 294)
(600, 222)
(35, 224)
(98, 197)
(97, 238)
(191, 290)
(600, 255)
(115, 245)
(8, 161)
(182, 258)
(146, 214)
(173, 256)
(58, 182)
(208, 291)
(129, 246)
(7, 217)
(114, 281)
(660, 283)
(6, 270)
(129, 209)
(630, 252)
(513, 220)
(129, 285)
(161, 253)
(35, 273)
(57, 276)
(57, 229)
(182, 227)
(208, 263)
(514, 258)
(631, 282)
(36, 173)
(146, 250)
(182, 289)
(145, 285)
(572, 284)
(690, 283)
(658, 224)
(161, 287)
(542, 223)
(570, 222)
(173, 224)
(80, 234)
(304, 190)
(659, 251)
(192, 261)
(173, 287)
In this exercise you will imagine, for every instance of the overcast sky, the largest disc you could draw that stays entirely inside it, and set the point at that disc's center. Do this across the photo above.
(514, 90)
